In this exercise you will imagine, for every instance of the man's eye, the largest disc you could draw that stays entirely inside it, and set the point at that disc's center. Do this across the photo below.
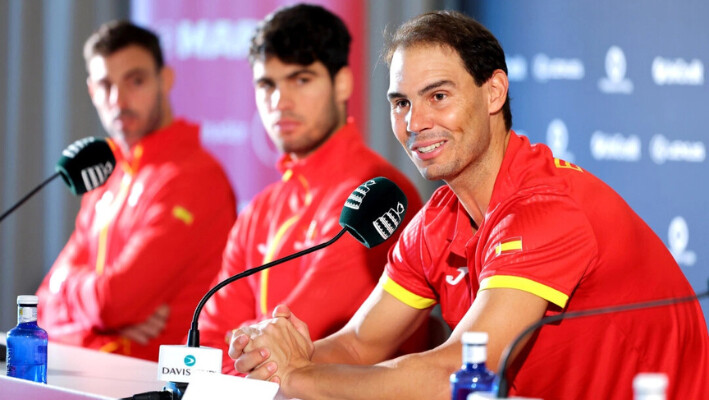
(401, 103)
(439, 96)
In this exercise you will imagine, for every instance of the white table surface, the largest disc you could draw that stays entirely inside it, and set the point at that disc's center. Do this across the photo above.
(98, 373)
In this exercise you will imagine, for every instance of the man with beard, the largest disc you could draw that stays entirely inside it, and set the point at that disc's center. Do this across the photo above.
(148, 243)
(515, 235)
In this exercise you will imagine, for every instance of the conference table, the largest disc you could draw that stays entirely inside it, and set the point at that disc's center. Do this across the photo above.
(77, 373)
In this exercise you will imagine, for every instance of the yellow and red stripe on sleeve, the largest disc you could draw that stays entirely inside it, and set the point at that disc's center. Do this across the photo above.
(517, 282)
(403, 295)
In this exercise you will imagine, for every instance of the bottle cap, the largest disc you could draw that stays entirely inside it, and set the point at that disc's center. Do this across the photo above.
(474, 338)
(650, 383)
(27, 299)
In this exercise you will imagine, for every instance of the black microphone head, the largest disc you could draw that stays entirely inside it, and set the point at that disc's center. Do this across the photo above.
(86, 164)
(374, 211)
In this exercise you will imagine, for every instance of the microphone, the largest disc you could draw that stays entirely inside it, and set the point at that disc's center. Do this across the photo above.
(503, 387)
(84, 165)
(371, 214)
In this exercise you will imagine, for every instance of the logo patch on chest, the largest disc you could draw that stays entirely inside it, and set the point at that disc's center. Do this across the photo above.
(454, 280)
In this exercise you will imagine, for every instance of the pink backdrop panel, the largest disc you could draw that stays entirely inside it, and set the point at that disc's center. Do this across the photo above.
(207, 43)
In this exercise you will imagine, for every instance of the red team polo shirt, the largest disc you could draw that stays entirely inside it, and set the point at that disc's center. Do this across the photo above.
(555, 230)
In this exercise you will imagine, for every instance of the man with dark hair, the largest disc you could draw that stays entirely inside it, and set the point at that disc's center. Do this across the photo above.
(514, 236)
(148, 243)
(302, 84)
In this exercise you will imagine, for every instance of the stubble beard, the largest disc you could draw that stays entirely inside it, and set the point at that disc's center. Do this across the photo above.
(153, 121)
(308, 144)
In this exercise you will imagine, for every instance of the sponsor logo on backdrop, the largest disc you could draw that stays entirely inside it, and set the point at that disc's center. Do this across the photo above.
(558, 140)
(615, 146)
(677, 71)
(616, 67)
(663, 149)
(206, 39)
(516, 68)
(225, 132)
(678, 239)
(545, 68)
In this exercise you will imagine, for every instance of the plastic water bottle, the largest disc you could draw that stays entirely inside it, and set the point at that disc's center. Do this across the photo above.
(473, 376)
(649, 386)
(27, 344)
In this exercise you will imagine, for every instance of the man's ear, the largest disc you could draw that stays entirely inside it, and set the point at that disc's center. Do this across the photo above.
(497, 89)
(90, 87)
(344, 83)
(167, 78)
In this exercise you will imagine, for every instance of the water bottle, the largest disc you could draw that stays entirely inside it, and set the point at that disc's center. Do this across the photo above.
(27, 344)
(473, 376)
(647, 386)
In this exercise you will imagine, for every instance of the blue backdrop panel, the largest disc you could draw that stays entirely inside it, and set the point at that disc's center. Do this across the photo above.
(619, 88)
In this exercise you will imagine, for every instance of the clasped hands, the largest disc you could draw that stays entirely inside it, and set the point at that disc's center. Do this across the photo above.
(272, 349)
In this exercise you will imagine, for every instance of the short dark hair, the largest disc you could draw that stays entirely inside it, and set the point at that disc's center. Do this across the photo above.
(302, 34)
(477, 47)
(115, 35)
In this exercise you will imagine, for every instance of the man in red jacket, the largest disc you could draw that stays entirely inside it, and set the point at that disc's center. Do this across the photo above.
(148, 243)
(302, 84)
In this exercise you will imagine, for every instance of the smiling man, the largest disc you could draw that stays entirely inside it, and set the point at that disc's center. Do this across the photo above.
(515, 235)
(148, 242)
(302, 84)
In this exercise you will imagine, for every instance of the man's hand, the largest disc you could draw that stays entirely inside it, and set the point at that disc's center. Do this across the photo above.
(149, 329)
(280, 344)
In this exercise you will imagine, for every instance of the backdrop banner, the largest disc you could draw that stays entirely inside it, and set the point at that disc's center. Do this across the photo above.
(207, 43)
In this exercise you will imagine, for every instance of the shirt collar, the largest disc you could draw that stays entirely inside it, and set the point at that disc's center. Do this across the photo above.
(159, 144)
(313, 167)
(504, 185)
(502, 189)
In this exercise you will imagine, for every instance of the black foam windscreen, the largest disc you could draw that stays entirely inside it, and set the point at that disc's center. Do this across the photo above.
(374, 211)
(86, 164)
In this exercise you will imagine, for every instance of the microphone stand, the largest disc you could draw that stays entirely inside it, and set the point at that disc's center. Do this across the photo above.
(28, 195)
(193, 336)
(503, 386)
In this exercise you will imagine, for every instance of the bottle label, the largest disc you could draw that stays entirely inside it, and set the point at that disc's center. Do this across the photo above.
(26, 314)
(474, 353)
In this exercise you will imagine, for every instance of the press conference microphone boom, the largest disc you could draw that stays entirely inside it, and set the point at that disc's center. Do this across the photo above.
(503, 387)
(85, 165)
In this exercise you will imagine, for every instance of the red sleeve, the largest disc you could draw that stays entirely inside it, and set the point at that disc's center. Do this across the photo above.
(160, 247)
(405, 278)
(542, 245)
(52, 310)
